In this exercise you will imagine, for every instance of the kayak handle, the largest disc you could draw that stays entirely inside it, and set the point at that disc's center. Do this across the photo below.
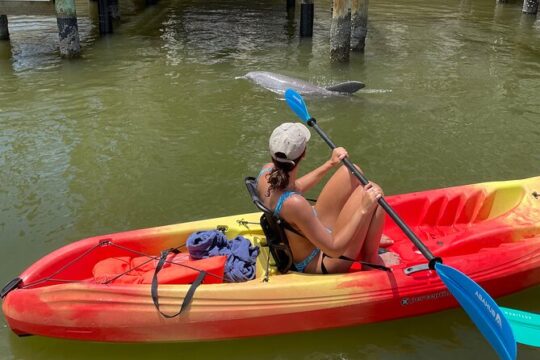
(10, 286)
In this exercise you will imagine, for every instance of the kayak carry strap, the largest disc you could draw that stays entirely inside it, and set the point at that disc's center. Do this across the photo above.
(189, 295)
(12, 285)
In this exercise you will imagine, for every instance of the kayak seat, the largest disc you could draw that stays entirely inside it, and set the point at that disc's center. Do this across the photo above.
(273, 227)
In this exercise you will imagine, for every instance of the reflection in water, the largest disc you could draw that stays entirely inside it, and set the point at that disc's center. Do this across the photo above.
(150, 127)
(236, 33)
(34, 42)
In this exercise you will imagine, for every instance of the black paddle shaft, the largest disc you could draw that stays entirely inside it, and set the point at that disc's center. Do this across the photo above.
(382, 201)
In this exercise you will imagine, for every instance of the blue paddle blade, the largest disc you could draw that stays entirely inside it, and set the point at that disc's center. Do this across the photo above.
(526, 326)
(297, 104)
(482, 310)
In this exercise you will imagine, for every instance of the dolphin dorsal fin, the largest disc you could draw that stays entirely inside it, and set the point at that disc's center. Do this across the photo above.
(348, 87)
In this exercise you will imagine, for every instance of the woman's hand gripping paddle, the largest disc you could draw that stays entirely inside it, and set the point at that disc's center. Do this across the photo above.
(480, 307)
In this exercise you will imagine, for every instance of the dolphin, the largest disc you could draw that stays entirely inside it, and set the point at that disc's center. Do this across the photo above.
(279, 83)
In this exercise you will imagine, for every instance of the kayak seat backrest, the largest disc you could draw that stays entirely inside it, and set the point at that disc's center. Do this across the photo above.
(274, 230)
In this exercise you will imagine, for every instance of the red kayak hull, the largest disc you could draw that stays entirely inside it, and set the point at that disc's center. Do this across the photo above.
(490, 232)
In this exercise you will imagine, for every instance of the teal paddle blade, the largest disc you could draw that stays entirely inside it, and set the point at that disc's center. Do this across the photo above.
(482, 310)
(526, 326)
(297, 104)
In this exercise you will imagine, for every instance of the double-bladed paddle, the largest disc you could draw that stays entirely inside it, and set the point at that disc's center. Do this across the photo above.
(526, 326)
(480, 307)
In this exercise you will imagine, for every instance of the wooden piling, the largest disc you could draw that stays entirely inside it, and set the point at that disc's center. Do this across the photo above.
(114, 9)
(359, 19)
(290, 5)
(4, 31)
(105, 17)
(530, 7)
(68, 30)
(93, 11)
(307, 12)
(340, 31)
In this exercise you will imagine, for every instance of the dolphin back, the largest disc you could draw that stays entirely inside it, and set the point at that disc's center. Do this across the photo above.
(279, 83)
(348, 87)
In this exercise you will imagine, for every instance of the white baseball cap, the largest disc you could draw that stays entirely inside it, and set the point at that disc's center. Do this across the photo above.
(289, 139)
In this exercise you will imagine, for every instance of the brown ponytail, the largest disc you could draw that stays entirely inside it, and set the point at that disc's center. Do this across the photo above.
(278, 178)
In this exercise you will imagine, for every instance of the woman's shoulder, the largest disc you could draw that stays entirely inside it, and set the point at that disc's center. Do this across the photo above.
(267, 168)
(298, 209)
(295, 199)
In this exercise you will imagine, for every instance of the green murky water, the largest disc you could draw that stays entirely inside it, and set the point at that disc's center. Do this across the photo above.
(152, 127)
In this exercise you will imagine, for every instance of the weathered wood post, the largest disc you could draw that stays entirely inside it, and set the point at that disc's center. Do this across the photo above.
(340, 31)
(93, 11)
(105, 17)
(530, 7)
(359, 18)
(114, 10)
(291, 24)
(290, 5)
(4, 31)
(68, 30)
(307, 11)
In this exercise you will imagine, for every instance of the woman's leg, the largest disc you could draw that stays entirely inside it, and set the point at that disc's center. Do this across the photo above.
(341, 196)
(331, 201)
(334, 195)
(364, 245)
(370, 250)
(357, 242)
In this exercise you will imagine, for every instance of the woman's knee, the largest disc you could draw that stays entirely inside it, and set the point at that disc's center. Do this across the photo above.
(380, 213)
(344, 171)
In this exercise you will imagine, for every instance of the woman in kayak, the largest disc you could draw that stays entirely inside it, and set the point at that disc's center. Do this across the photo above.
(345, 222)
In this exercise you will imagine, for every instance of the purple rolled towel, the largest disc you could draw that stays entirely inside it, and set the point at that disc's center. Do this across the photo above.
(200, 242)
(237, 270)
(242, 249)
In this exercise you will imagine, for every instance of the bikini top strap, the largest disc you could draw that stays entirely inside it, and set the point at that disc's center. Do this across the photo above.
(262, 172)
(281, 200)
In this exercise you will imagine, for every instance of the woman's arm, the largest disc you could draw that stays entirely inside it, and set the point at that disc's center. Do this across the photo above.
(312, 178)
(306, 182)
